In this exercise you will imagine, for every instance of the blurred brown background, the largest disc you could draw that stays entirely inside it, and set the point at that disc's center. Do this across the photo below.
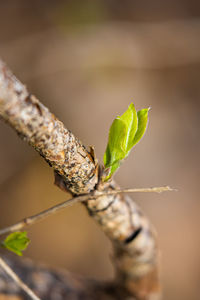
(87, 60)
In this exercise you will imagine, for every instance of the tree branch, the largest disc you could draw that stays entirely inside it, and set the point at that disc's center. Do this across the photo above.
(134, 240)
(41, 129)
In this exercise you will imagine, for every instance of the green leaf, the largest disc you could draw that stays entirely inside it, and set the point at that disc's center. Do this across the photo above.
(115, 148)
(142, 124)
(125, 132)
(16, 242)
(131, 121)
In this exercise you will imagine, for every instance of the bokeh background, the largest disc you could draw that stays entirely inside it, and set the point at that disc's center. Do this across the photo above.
(87, 60)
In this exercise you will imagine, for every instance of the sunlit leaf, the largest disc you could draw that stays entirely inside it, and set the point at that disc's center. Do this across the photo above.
(142, 124)
(16, 242)
(125, 132)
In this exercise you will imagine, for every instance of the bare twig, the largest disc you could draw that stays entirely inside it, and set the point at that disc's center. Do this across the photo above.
(19, 282)
(159, 189)
(52, 210)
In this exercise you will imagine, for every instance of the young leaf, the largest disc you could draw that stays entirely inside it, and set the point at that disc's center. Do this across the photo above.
(16, 242)
(142, 116)
(131, 121)
(125, 132)
(115, 148)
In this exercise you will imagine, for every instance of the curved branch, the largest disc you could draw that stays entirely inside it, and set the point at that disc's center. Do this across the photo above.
(132, 235)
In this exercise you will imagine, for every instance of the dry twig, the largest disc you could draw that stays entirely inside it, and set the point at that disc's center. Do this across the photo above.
(52, 210)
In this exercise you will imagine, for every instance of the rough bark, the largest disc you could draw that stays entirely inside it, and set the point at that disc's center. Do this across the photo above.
(42, 130)
(135, 255)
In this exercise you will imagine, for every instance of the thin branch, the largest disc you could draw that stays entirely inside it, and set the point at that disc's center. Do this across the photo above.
(159, 189)
(19, 282)
(52, 210)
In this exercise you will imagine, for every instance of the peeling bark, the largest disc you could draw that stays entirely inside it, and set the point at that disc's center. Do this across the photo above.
(135, 255)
